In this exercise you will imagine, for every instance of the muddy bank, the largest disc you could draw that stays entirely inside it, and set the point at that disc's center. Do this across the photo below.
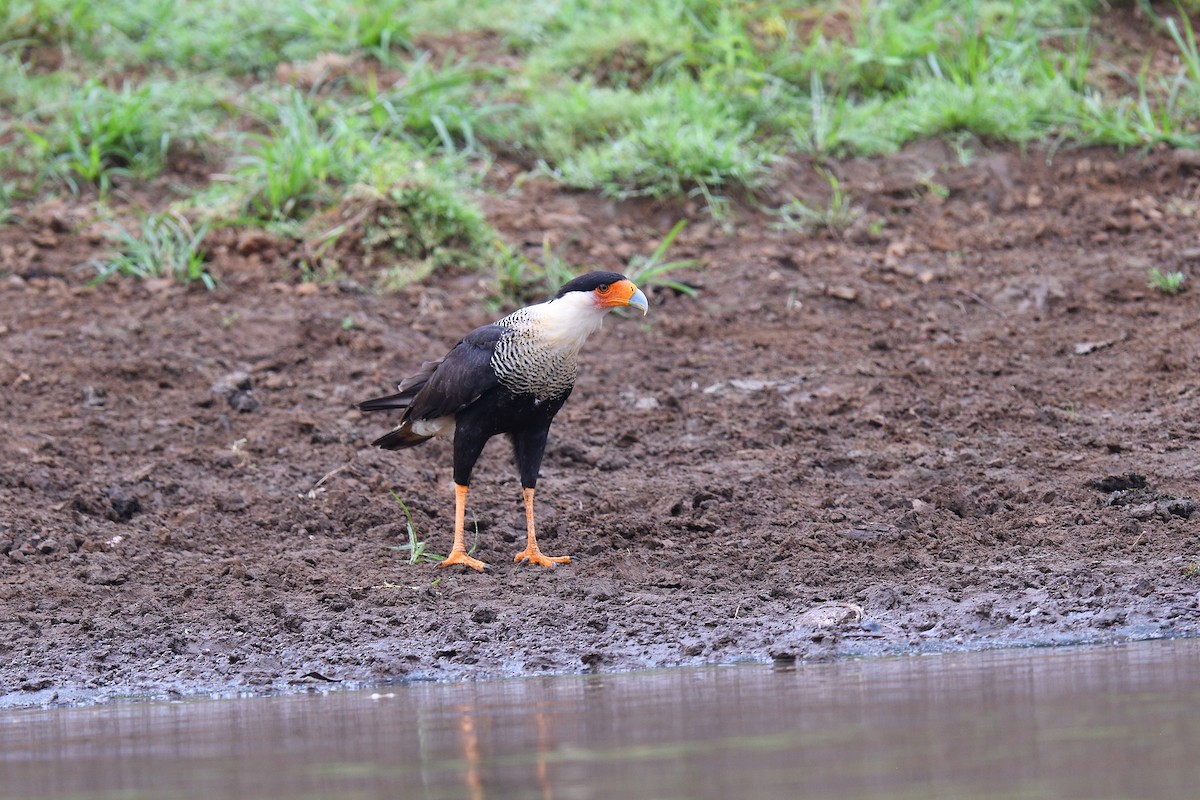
(965, 422)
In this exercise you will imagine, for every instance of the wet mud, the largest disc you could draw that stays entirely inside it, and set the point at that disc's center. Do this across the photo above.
(963, 422)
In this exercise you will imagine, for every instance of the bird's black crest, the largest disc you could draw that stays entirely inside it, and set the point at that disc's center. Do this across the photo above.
(589, 281)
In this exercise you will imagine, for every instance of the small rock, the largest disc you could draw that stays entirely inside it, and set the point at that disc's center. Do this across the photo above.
(830, 615)
(1084, 348)
(870, 532)
(921, 507)
(882, 598)
(94, 396)
(924, 621)
(123, 505)
(238, 389)
(1186, 157)
(483, 615)
(243, 402)
(1164, 509)
(228, 384)
(103, 575)
(612, 462)
(232, 502)
(47, 546)
(1177, 507)
(847, 293)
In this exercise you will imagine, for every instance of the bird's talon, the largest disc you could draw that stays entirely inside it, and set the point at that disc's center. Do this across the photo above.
(458, 557)
(537, 558)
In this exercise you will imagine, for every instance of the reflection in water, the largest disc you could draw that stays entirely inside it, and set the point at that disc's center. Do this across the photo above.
(1089, 723)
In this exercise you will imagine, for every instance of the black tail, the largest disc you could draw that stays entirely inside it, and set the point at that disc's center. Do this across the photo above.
(392, 401)
(399, 439)
(403, 436)
(409, 388)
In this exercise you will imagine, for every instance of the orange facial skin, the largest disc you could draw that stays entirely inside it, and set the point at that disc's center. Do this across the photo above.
(619, 294)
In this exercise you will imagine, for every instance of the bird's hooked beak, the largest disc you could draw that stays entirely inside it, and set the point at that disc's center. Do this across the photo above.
(622, 293)
(638, 300)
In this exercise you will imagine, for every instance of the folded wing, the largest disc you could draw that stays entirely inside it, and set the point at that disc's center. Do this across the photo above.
(440, 389)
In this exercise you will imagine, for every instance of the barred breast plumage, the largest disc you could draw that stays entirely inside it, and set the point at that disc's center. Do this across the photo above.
(525, 365)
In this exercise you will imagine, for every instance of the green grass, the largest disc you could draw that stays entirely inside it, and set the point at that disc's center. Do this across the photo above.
(654, 269)
(292, 107)
(300, 163)
(214, 35)
(422, 223)
(837, 215)
(415, 547)
(687, 144)
(522, 280)
(1166, 282)
(402, 232)
(417, 552)
(94, 135)
(165, 246)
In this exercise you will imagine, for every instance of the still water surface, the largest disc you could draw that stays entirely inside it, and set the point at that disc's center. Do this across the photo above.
(1099, 722)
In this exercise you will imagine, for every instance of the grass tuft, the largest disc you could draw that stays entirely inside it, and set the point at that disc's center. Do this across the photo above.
(406, 230)
(166, 246)
(838, 215)
(1166, 282)
(98, 134)
(652, 270)
(297, 166)
(416, 548)
(665, 142)
(520, 280)
(433, 106)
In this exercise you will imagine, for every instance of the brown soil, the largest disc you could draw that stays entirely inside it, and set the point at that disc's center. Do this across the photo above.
(930, 432)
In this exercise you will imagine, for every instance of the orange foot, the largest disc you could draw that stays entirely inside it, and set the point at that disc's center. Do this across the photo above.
(460, 557)
(534, 556)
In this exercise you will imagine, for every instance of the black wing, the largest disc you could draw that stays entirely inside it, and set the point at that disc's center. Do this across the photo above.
(443, 387)
(409, 387)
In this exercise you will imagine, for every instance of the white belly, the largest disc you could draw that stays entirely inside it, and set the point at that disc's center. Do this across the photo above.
(442, 427)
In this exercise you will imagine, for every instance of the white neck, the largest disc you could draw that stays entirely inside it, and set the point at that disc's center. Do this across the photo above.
(569, 320)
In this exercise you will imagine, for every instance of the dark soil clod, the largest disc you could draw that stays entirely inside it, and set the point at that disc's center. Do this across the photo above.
(1118, 483)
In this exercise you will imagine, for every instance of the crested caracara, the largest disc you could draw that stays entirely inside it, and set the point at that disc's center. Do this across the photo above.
(509, 377)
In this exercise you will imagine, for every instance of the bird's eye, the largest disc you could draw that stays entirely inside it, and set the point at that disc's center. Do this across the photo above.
(602, 288)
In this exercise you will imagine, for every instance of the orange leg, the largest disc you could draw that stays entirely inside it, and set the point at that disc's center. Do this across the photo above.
(458, 553)
(532, 553)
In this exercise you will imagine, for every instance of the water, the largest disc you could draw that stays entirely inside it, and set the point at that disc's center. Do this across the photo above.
(1103, 722)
